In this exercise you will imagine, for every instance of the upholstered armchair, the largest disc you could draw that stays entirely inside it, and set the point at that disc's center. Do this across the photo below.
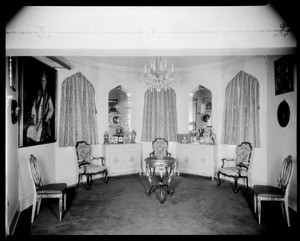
(88, 165)
(237, 167)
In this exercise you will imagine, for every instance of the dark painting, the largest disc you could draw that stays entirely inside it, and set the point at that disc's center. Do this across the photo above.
(284, 79)
(38, 102)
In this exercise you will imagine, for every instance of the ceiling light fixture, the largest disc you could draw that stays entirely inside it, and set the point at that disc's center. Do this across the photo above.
(158, 77)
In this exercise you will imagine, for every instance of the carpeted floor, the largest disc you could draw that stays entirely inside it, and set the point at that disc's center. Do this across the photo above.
(198, 206)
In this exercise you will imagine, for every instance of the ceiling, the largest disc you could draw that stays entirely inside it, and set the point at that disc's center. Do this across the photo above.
(140, 61)
(148, 31)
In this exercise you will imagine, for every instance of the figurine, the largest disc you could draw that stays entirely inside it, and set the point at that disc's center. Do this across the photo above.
(212, 137)
(133, 135)
(127, 136)
(106, 137)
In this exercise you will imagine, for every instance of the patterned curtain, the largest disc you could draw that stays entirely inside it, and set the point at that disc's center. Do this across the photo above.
(241, 115)
(160, 116)
(77, 112)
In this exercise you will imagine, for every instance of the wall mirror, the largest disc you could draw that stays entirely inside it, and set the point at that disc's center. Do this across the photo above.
(200, 110)
(119, 112)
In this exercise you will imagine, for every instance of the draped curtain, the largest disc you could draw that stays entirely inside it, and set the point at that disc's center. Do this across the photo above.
(77, 112)
(241, 115)
(160, 116)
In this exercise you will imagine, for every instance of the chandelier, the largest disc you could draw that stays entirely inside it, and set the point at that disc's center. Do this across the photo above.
(158, 78)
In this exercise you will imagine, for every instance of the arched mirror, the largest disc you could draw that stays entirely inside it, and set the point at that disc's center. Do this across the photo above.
(200, 111)
(119, 114)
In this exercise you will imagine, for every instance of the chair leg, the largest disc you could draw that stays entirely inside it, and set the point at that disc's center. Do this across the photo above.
(286, 205)
(79, 177)
(105, 176)
(38, 206)
(88, 182)
(255, 201)
(65, 201)
(60, 208)
(33, 209)
(235, 185)
(91, 180)
(259, 209)
(219, 180)
(161, 195)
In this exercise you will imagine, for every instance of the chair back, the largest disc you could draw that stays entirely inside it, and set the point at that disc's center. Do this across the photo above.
(243, 153)
(285, 173)
(160, 147)
(34, 171)
(83, 151)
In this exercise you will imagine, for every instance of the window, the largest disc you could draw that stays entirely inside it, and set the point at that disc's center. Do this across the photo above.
(241, 115)
(160, 116)
(77, 112)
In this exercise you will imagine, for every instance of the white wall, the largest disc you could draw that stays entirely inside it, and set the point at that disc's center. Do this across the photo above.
(216, 78)
(11, 157)
(281, 141)
(256, 67)
(103, 78)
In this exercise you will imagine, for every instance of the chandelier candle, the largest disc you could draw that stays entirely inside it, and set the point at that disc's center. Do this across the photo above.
(158, 77)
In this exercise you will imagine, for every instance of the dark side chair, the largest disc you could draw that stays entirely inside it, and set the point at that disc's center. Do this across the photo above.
(237, 167)
(88, 165)
(273, 193)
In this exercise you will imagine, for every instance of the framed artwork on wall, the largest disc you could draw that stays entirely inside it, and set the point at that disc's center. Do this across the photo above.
(284, 71)
(208, 106)
(37, 98)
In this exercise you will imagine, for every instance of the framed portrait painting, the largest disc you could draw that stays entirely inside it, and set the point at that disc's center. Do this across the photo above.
(284, 71)
(37, 93)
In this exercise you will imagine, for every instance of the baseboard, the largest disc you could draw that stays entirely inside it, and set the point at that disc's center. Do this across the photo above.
(69, 180)
(25, 202)
(293, 203)
(14, 222)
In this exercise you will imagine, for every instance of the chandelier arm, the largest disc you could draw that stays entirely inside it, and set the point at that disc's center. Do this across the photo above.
(158, 77)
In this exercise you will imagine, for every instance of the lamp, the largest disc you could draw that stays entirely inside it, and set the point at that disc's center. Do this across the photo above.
(158, 78)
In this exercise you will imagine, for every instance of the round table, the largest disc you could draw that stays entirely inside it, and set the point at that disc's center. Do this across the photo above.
(162, 167)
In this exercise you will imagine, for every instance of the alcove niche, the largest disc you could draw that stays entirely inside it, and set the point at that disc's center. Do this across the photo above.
(119, 111)
(200, 109)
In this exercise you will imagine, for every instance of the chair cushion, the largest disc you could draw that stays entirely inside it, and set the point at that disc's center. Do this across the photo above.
(55, 188)
(234, 171)
(230, 171)
(268, 191)
(90, 169)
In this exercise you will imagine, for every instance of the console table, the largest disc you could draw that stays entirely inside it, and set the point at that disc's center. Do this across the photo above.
(162, 167)
(196, 159)
(123, 159)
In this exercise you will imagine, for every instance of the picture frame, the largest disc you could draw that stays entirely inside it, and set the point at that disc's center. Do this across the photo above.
(284, 75)
(38, 108)
(208, 106)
